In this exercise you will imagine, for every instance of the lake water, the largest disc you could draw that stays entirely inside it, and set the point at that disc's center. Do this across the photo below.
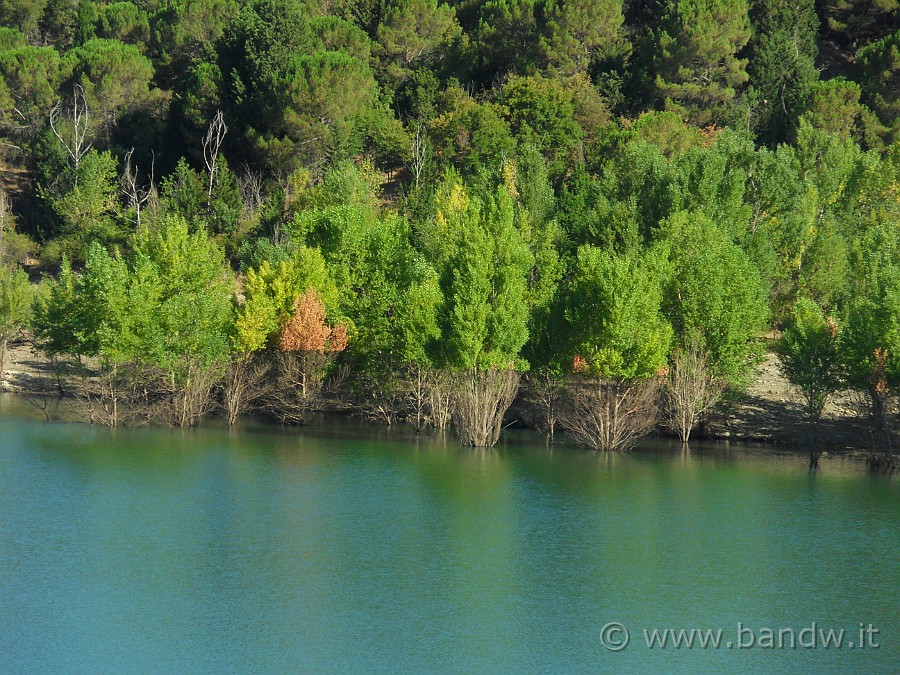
(345, 549)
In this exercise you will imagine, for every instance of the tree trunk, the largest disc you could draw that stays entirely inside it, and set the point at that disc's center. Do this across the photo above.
(4, 343)
(482, 398)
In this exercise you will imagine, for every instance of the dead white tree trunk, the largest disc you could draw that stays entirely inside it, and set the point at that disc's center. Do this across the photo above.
(135, 194)
(211, 146)
(74, 140)
(419, 153)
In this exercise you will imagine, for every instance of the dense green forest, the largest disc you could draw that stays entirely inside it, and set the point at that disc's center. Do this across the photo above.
(398, 207)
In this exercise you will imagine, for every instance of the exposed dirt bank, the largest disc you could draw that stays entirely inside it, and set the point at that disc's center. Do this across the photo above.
(772, 412)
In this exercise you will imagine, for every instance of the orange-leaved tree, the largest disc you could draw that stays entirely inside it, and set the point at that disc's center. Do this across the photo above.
(306, 344)
(306, 329)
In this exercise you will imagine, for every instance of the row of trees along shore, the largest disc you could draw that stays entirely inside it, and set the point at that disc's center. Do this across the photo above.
(400, 208)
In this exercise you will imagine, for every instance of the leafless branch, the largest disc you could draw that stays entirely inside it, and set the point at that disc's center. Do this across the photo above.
(77, 146)
(137, 195)
(611, 414)
(481, 399)
(691, 391)
(212, 144)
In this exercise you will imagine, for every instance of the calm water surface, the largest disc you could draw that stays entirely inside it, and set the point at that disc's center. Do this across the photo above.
(342, 549)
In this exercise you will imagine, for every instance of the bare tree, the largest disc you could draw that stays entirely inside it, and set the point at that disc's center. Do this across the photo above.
(441, 401)
(419, 153)
(244, 385)
(545, 395)
(136, 195)
(426, 395)
(47, 405)
(381, 396)
(252, 186)
(481, 399)
(611, 415)
(212, 144)
(75, 141)
(691, 391)
(189, 398)
(415, 396)
(297, 386)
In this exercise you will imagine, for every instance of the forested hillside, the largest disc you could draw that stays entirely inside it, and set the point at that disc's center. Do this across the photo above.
(403, 205)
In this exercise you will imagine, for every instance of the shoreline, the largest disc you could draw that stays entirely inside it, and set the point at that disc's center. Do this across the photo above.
(769, 412)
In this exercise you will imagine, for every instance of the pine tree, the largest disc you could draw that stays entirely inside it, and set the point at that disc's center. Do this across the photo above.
(781, 66)
(698, 72)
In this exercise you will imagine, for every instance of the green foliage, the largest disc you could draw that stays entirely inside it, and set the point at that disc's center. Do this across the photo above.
(187, 296)
(640, 187)
(15, 302)
(579, 32)
(112, 308)
(387, 140)
(125, 22)
(181, 29)
(315, 99)
(834, 106)
(282, 283)
(507, 39)
(166, 304)
(10, 38)
(873, 315)
(84, 203)
(185, 192)
(613, 313)
(450, 178)
(712, 180)
(879, 77)
(697, 69)
(340, 35)
(23, 15)
(484, 266)
(29, 81)
(536, 219)
(116, 77)
(782, 54)
(541, 113)
(666, 130)
(295, 86)
(57, 318)
(621, 209)
(413, 33)
(714, 298)
(59, 24)
(855, 21)
(376, 271)
(471, 136)
(810, 355)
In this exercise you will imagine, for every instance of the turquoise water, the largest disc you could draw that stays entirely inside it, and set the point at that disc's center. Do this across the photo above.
(345, 549)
